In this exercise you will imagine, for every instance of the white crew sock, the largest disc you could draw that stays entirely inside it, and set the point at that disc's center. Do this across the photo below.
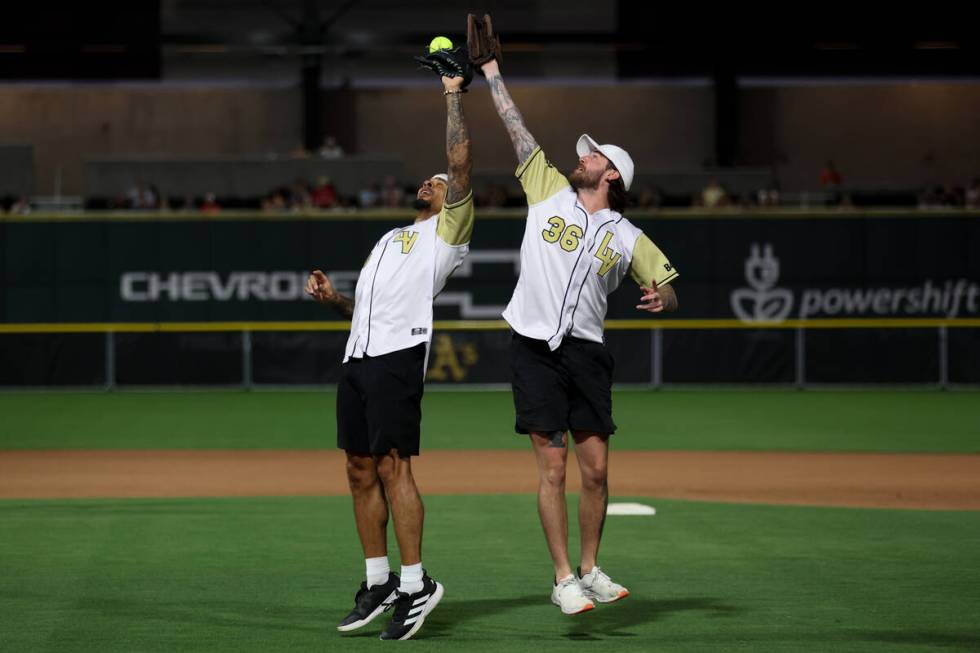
(377, 570)
(411, 579)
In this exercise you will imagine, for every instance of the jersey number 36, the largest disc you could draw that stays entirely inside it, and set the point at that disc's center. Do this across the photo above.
(568, 237)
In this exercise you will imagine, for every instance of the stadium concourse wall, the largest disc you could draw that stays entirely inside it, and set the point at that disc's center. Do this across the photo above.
(800, 298)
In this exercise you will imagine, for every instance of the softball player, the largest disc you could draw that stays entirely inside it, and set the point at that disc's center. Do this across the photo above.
(380, 391)
(577, 249)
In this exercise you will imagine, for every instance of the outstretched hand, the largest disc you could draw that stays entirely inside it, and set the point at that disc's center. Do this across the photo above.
(482, 42)
(320, 288)
(651, 301)
(453, 66)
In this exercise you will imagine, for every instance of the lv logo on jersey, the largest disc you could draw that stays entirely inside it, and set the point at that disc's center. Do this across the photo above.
(607, 255)
(568, 237)
(407, 239)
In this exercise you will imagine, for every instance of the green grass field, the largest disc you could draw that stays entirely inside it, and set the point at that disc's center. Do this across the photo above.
(774, 420)
(277, 574)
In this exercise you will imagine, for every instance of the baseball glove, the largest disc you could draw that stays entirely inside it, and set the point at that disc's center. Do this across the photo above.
(449, 63)
(483, 43)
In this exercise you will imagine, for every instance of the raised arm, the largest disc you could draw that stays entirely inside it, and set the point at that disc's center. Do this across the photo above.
(457, 142)
(524, 143)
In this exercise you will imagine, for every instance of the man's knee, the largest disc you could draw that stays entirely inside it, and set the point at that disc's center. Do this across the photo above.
(393, 468)
(553, 473)
(362, 472)
(595, 476)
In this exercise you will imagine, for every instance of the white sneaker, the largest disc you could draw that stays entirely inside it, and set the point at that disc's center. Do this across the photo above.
(568, 596)
(597, 586)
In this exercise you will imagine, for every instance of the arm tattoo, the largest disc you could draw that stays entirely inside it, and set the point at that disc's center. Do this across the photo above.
(523, 142)
(457, 150)
(344, 305)
(669, 298)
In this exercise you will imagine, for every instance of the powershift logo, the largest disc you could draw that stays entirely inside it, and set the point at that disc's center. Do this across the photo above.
(762, 301)
(211, 286)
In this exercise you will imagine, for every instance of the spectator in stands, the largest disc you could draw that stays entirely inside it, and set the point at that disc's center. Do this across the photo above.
(392, 195)
(274, 202)
(973, 194)
(768, 196)
(324, 196)
(153, 199)
(941, 196)
(210, 204)
(369, 197)
(143, 196)
(714, 195)
(953, 195)
(20, 206)
(300, 198)
(830, 178)
(331, 149)
(299, 152)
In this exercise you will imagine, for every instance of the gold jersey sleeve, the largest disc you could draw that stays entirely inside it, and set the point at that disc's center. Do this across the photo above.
(650, 264)
(539, 178)
(455, 226)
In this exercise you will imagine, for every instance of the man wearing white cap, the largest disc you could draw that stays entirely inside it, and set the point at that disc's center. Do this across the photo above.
(577, 249)
(380, 390)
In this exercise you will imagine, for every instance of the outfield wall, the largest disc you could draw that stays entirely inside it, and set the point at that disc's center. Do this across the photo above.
(820, 297)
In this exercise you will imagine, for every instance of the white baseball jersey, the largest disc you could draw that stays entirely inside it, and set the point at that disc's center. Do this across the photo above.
(405, 271)
(571, 260)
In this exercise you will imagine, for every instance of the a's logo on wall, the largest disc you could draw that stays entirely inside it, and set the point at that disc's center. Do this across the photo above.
(451, 362)
(762, 301)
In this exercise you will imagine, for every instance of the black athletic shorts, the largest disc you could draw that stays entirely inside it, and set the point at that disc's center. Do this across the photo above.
(379, 402)
(562, 390)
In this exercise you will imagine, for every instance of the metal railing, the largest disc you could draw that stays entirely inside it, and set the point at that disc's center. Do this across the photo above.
(655, 328)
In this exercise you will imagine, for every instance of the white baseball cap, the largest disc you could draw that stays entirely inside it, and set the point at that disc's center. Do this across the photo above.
(619, 157)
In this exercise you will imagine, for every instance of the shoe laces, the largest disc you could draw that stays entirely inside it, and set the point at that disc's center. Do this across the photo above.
(402, 605)
(598, 575)
(363, 597)
(571, 580)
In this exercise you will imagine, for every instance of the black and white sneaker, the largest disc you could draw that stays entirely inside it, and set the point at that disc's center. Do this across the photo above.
(370, 602)
(412, 609)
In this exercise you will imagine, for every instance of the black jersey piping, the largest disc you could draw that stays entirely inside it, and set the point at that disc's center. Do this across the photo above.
(367, 342)
(588, 271)
(571, 277)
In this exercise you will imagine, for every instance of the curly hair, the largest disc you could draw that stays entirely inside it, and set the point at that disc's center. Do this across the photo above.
(618, 197)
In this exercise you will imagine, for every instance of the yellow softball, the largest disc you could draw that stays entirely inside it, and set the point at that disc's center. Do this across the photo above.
(440, 43)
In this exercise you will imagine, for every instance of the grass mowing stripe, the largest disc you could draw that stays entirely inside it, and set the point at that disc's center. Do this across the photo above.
(776, 420)
(277, 574)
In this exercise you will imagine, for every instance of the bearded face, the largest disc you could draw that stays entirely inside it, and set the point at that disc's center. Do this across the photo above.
(588, 173)
(431, 195)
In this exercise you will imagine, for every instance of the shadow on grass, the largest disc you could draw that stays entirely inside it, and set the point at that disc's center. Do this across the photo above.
(617, 619)
(606, 621)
